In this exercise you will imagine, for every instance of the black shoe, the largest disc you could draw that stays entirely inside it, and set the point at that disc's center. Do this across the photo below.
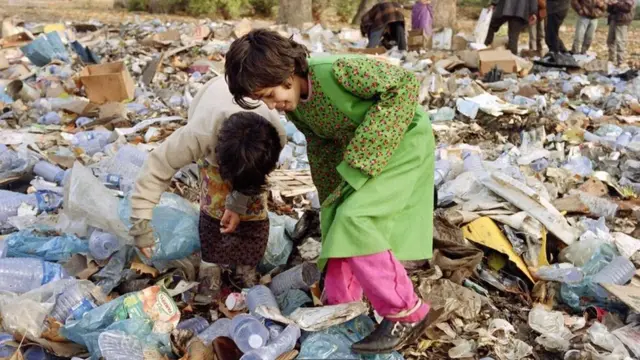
(392, 336)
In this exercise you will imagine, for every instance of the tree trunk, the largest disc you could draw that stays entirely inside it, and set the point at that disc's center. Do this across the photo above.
(295, 12)
(444, 14)
(365, 5)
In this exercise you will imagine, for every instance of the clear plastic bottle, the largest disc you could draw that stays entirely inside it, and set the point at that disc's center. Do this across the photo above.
(8, 158)
(49, 172)
(260, 295)
(197, 324)
(73, 303)
(91, 141)
(442, 169)
(282, 344)
(219, 328)
(10, 202)
(619, 271)
(624, 139)
(116, 345)
(300, 277)
(131, 154)
(564, 273)
(103, 244)
(472, 161)
(248, 333)
(20, 275)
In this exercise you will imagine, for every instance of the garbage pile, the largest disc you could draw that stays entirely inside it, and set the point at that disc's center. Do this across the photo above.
(536, 231)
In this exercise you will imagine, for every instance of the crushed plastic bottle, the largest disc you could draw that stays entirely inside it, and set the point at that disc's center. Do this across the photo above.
(260, 295)
(20, 275)
(285, 342)
(74, 302)
(49, 172)
(444, 114)
(197, 324)
(50, 118)
(619, 272)
(220, 327)
(116, 345)
(248, 333)
(103, 244)
(301, 277)
(564, 273)
(43, 200)
(442, 169)
(91, 141)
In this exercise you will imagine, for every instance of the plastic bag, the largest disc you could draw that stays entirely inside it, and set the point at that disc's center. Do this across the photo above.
(482, 26)
(88, 201)
(175, 223)
(30, 243)
(280, 246)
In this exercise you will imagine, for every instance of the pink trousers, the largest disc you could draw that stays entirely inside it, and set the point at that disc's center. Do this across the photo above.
(382, 278)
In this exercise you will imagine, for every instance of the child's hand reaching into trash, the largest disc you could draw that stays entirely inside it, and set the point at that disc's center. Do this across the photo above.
(142, 233)
(229, 222)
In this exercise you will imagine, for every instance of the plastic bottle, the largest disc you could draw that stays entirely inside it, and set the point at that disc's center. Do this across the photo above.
(50, 118)
(131, 154)
(624, 139)
(442, 169)
(444, 114)
(73, 303)
(300, 277)
(282, 344)
(103, 244)
(472, 161)
(196, 324)
(219, 328)
(6, 350)
(20, 275)
(49, 172)
(248, 333)
(37, 353)
(619, 271)
(10, 202)
(91, 141)
(274, 328)
(116, 345)
(260, 295)
(599, 206)
(467, 108)
(7, 158)
(564, 273)
(539, 165)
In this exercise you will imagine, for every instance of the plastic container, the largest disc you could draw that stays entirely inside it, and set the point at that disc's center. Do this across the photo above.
(74, 302)
(131, 154)
(49, 172)
(619, 272)
(103, 244)
(20, 275)
(6, 350)
(260, 295)
(444, 114)
(248, 333)
(116, 345)
(196, 324)
(282, 344)
(442, 169)
(219, 328)
(623, 140)
(274, 328)
(91, 141)
(300, 277)
(564, 273)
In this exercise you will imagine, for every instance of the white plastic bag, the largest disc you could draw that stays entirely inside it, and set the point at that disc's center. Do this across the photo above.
(482, 26)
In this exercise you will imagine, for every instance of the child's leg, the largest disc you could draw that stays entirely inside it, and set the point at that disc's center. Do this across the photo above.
(340, 285)
(386, 284)
(588, 37)
(621, 43)
(611, 41)
(581, 29)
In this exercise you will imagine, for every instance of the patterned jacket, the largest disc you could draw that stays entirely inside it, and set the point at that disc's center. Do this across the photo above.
(516, 8)
(622, 11)
(381, 15)
(591, 9)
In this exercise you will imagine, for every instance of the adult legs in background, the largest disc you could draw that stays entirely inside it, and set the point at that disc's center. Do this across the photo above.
(554, 21)
(516, 26)
(496, 22)
(536, 36)
(611, 41)
(581, 29)
(375, 37)
(621, 42)
(399, 34)
(588, 36)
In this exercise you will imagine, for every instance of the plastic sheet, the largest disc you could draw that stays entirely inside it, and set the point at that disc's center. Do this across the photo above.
(280, 246)
(30, 243)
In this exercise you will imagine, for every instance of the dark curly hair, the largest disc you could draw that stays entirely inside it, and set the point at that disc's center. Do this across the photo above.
(247, 151)
(261, 59)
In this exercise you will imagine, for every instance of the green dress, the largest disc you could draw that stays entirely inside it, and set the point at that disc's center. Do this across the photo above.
(371, 151)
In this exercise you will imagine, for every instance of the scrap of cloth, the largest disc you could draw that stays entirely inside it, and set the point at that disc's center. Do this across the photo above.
(380, 16)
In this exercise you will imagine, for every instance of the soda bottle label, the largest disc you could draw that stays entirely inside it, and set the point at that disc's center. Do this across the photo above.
(113, 180)
(80, 309)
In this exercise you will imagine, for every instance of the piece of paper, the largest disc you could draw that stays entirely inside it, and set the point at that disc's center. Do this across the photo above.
(318, 318)
(630, 294)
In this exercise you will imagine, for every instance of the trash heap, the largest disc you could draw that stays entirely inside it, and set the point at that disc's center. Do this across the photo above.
(535, 235)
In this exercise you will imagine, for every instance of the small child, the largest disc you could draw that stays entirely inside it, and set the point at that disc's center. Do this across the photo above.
(371, 150)
(422, 16)
(235, 150)
(589, 11)
(536, 31)
(621, 13)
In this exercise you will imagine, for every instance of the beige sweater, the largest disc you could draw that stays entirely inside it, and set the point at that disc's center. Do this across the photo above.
(211, 106)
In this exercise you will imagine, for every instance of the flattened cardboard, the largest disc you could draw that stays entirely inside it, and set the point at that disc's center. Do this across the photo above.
(503, 59)
(109, 82)
(418, 40)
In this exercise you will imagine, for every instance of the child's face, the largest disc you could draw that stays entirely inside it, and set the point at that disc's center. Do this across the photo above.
(284, 97)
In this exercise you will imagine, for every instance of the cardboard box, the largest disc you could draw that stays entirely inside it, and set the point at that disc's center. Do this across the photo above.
(503, 59)
(418, 40)
(109, 82)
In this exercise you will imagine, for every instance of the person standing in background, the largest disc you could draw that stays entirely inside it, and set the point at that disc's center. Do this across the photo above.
(589, 12)
(422, 16)
(557, 11)
(517, 13)
(384, 21)
(621, 14)
(536, 31)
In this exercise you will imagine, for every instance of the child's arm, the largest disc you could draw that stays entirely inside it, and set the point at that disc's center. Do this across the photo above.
(396, 91)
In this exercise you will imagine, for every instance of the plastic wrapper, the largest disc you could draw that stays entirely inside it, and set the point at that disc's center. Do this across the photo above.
(580, 165)
(599, 335)
(30, 243)
(335, 342)
(26, 313)
(280, 246)
(175, 224)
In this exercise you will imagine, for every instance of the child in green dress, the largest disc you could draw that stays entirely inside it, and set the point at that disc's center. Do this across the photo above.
(371, 150)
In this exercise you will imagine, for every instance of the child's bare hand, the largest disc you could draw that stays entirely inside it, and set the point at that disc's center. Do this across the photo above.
(229, 222)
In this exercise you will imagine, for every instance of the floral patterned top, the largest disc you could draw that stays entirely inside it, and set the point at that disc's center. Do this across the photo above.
(335, 141)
